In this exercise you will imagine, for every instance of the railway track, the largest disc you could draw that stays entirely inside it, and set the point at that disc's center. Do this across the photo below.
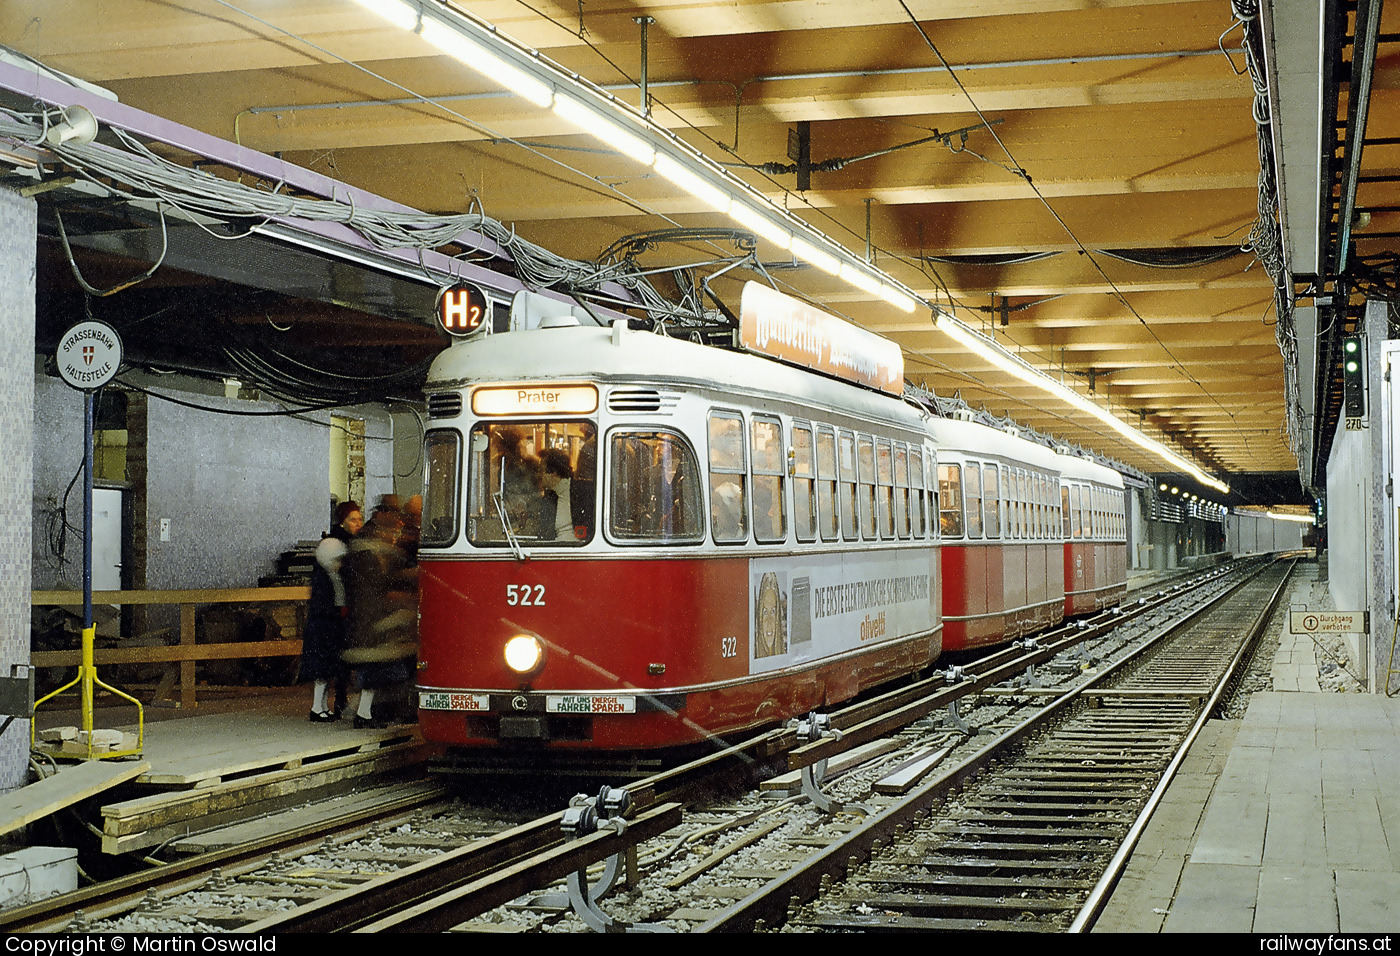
(1031, 839)
(466, 873)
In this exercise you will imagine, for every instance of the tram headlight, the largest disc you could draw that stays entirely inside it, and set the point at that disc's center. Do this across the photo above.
(524, 654)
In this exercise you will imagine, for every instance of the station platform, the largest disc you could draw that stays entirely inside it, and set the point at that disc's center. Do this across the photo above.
(242, 754)
(1284, 821)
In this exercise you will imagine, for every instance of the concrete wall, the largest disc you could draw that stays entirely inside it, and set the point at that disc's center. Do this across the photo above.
(1348, 528)
(1257, 534)
(1359, 554)
(17, 268)
(237, 490)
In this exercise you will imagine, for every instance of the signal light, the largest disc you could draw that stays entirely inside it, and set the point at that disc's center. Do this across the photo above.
(1353, 377)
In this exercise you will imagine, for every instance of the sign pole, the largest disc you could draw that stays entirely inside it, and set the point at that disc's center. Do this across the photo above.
(88, 357)
(89, 669)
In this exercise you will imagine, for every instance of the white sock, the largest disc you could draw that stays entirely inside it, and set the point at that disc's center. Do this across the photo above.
(318, 699)
(366, 707)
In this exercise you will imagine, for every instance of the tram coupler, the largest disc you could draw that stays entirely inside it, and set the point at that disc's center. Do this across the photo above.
(809, 729)
(584, 816)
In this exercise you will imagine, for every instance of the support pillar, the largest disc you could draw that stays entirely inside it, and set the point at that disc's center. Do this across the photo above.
(18, 262)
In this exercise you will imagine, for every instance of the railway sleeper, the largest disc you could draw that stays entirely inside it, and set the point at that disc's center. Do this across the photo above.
(952, 884)
(1064, 846)
(894, 923)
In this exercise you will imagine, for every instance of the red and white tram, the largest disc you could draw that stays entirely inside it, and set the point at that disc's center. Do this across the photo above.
(633, 542)
(1003, 563)
(1094, 528)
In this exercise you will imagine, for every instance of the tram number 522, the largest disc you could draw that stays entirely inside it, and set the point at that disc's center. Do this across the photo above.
(525, 595)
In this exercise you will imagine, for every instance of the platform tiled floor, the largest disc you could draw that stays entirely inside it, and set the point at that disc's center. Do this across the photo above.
(1285, 821)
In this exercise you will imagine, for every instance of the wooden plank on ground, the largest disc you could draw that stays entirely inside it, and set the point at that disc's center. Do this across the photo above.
(196, 769)
(71, 784)
(148, 821)
(791, 782)
(251, 831)
(903, 779)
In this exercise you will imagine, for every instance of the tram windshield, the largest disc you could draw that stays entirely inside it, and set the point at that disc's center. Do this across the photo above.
(531, 482)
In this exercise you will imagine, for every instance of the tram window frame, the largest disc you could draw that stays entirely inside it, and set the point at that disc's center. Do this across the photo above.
(1026, 518)
(769, 527)
(1042, 527)
(728, 469)
(1065, 514)
(884, 492)
(1033, 496)
(918, 497)
(828, 485)
(1008, 497)
(684, 474)
(492, 453)
(865, 478)
(972, 496)
(846, 465)
(804, 483)
(448, 468)
(991, 501)
(903, 525)
(950, 503)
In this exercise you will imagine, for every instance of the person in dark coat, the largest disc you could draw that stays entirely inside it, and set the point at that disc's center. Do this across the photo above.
(380, 588)
(326, 617)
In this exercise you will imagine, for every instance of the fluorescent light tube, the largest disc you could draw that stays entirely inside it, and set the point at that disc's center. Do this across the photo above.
(760, 224)
(457, 45)
(605, 130)
(396, 12)
(691, 182)
(809, 253)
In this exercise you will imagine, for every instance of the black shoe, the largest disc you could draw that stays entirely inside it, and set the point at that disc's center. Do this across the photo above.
(369, 723)
(316, 718)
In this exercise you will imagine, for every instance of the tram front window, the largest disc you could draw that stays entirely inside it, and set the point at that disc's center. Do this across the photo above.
(442, 449)
(531, 481)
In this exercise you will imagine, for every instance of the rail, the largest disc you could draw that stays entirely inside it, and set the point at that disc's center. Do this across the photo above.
(187, 653)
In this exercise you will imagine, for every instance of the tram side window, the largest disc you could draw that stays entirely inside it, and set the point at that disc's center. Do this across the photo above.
(767, 456)
(884, 501)
(1086, 519)
(655, 488)
(1047, 497)
(1065, 517)
(1008, 491)
(804, 474)
(1037, 505)
(919, 503)
(901, 490)
(1026, 522)
(828, 518)
(991, 497)
(728, 507)
(867, 485)
(442, 467)
(846, 446)
(972, 479)
(950, 505)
